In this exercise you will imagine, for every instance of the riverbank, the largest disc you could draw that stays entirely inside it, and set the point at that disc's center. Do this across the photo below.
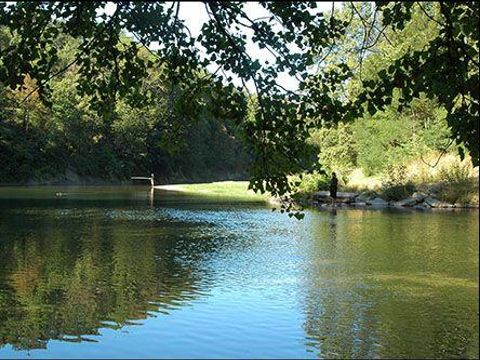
(445, 194)
(418, 201)
(228, 189)
(445, 181)
(239, 191)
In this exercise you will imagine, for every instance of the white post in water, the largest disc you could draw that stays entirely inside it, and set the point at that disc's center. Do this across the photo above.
(152, 180)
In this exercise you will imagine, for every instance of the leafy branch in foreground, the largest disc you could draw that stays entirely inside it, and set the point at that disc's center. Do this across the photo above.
(295, 33)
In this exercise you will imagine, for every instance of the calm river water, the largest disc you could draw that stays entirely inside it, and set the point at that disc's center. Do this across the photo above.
(105, 272)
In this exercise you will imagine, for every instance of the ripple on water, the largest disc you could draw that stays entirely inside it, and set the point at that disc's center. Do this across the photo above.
(232, 281)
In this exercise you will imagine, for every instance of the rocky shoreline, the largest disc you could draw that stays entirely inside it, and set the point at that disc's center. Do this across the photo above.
(418, 200)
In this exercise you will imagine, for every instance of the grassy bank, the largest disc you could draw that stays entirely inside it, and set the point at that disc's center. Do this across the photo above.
(451, 180)
(237, 190)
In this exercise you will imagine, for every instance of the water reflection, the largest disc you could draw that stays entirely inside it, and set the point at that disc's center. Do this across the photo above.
(64, 282)
(374, 288)
(339, 284)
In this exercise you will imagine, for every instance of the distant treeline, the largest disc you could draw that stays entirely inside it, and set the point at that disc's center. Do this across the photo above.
(69, 141)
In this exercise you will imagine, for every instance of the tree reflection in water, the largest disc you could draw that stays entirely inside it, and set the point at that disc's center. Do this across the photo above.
(350, 284)
(65, 282)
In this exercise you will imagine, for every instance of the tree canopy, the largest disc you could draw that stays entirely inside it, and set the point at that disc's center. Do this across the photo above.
(301, 37)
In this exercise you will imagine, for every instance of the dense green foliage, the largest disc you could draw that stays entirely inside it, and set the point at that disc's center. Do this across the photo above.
(439, 66)
(383, 143)
(377, 143)
(41, 144)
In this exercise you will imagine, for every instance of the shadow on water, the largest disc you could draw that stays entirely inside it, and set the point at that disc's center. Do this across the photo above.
(339, 284)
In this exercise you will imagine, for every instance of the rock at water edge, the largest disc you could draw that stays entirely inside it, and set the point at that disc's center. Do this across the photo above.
(435, 203)
(406, 202)
(377, 202)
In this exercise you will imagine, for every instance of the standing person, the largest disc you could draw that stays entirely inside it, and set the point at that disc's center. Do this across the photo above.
(333, 188)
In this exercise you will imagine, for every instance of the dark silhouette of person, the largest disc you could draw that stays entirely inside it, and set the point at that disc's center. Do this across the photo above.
(333, 188)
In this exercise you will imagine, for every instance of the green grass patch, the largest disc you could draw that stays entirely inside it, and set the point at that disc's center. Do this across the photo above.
(237, 190)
